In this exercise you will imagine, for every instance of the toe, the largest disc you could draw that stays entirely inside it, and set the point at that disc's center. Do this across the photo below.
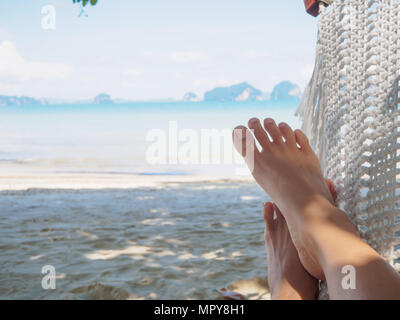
(302, 140)
(245, 144)
(273, 130)
(241, 139)
(288, 134)
(259, 132)
(279, 216)
(268, 212)
(332, 189)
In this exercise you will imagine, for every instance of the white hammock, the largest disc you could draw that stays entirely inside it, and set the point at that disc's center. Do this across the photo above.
(351, 112)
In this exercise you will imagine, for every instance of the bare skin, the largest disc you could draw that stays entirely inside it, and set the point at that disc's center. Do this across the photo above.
(289, 172)
(287, 278)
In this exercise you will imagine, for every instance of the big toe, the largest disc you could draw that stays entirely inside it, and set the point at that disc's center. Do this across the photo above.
(268, 213)
(245, 144)
(242, 137)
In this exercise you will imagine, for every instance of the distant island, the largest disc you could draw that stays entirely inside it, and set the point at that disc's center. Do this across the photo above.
(19, 101)
(102, 98)
(191, 97)
(238, 92)
(283, 91)
(286, 91)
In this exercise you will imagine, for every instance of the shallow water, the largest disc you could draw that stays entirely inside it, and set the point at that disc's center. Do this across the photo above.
(116, 138)
(178, 241)
(170, 241)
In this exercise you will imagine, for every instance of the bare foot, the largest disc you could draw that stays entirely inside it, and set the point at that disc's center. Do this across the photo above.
(289, 172)
(287, 278)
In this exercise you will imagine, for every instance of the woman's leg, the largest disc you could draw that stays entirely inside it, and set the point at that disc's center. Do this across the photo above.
(353, 270)
(327, 242)
(287, 278)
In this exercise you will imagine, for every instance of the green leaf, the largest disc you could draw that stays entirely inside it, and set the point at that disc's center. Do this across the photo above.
(85, 2)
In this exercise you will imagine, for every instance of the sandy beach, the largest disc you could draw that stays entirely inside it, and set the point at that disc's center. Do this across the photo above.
(131, 237)
(78, 192)
(97, 181)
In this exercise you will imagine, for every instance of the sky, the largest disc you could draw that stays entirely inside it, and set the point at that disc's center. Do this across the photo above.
(152, 49)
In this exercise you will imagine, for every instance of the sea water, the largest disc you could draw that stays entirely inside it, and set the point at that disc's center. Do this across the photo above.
(114, 138)
(169, 241)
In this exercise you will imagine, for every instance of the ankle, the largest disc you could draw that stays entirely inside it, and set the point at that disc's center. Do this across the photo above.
(334, 240)
(326, 229)
(315, 209)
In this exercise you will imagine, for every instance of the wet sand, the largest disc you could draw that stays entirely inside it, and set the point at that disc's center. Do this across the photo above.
(119, 238)
(12, 180)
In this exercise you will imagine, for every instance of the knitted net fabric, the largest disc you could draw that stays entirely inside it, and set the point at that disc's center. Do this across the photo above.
(351, 112)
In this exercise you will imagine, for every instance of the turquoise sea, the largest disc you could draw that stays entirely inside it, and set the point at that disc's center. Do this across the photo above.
(112, 138)
(123, 240)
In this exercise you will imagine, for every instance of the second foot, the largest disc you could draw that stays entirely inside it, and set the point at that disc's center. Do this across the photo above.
(287, 278)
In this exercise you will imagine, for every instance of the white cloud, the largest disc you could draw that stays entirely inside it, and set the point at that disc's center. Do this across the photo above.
(147, 53)
(177, 75)
(127, 84)
(133, 72)
(255, 55)
(225, 82)
(13, 64)
(210, 83)
(187, 56)
(202, 82)
(4, 34)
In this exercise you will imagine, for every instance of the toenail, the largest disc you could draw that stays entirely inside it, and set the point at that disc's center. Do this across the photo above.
(239, 132)
(253, 121)
(269, 121)
(284, 125)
